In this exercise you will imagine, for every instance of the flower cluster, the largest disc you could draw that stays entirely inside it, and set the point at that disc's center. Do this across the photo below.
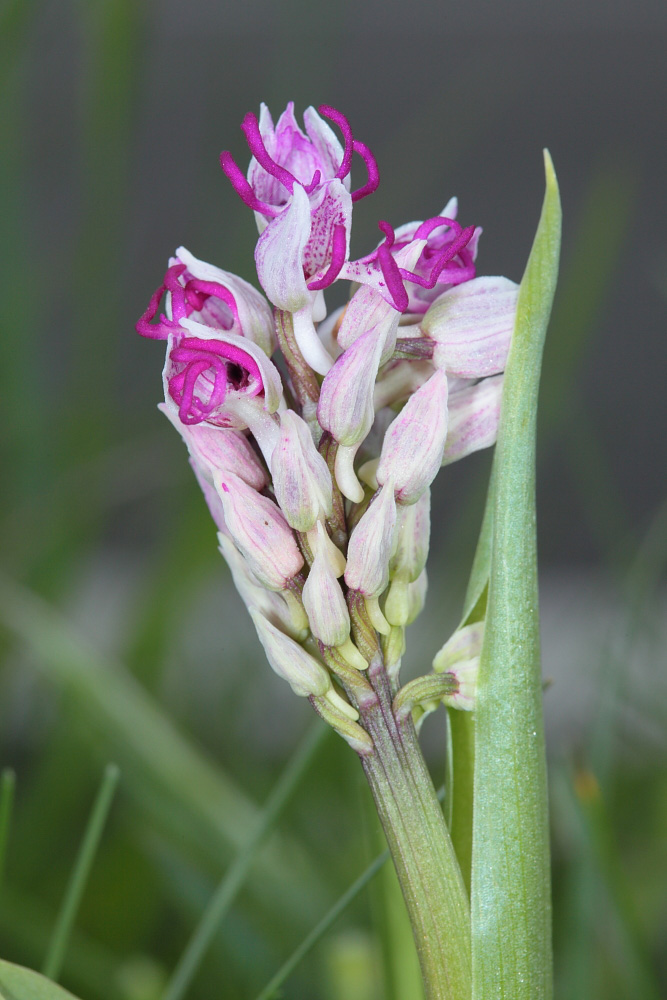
(315, 437)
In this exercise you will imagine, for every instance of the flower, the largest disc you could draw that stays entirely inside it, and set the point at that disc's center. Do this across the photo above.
(207, 372)
(299, 186)
(218, 299)
(260, 531)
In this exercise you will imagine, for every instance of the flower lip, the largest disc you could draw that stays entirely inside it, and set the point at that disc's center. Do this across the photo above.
(186, 298)
(210, 367)
(339, 251)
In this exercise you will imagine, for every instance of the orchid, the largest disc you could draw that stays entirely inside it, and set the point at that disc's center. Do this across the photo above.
(316, 438)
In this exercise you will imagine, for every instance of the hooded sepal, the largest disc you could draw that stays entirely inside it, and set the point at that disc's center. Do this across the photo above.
(260, 531)
(301, 477)
(289, 660)
(472, 326)
(414, 442)
(474, 415)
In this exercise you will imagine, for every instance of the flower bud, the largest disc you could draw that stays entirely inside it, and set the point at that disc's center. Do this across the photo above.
(413, 529)
(345, 408)
(260, 531)
(464, 644)
(472, 326)
(474, 414)
(415, 441)
(371, 545)
(301, 477)
(290, 660)
(324, 601)
(368, 311)
(218, 449)
(417, 597)
(287, 615)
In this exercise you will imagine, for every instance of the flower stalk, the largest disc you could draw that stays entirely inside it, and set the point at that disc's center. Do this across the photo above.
(420, 846)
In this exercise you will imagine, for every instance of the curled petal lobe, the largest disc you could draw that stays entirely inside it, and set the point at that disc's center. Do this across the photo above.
(260, 532)
(332, 157)
(474, 413)
(290, 661)
(207, 369)
(414, 443)
(248, 314)
(472, 326)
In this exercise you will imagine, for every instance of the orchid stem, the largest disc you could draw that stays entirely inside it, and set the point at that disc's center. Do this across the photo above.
(420, 846)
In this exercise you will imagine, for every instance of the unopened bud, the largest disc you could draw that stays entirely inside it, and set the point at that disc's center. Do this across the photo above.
(417, 597)
(301, 477)
(371, 545)
(260, 532)
(472, 326)
(282, 610)
(324, 601)
(464, 644)
(345, 408)
(218, 449)
(413, 529)
(290, 660)
(474, 415)
(415, 441)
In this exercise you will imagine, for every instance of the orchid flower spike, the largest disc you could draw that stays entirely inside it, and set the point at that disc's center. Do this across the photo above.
(315, 438)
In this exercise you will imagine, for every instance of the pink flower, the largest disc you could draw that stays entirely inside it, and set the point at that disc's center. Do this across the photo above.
(216, 298)
(428, 254)
(471, 327)
(299, 186)
(207, 372)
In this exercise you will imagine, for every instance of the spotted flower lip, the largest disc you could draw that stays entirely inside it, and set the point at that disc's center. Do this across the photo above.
(204, 374)
(194, 289)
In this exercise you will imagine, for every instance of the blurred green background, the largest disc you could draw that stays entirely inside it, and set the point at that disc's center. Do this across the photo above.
(122, 638)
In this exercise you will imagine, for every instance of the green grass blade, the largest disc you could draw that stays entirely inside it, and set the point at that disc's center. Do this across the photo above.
(7, 785)
(320, 929)
(168, 771)
(80, 872)
(234, 878)
(511, 898)
(327, 921)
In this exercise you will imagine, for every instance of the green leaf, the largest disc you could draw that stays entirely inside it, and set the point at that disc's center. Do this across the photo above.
(510, 894)
(17, 983)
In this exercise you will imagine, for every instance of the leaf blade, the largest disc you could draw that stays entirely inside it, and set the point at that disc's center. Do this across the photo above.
(510, 896)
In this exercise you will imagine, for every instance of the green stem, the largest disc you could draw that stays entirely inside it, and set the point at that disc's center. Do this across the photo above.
(462, 731)
(420, 847)
(7, 784)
